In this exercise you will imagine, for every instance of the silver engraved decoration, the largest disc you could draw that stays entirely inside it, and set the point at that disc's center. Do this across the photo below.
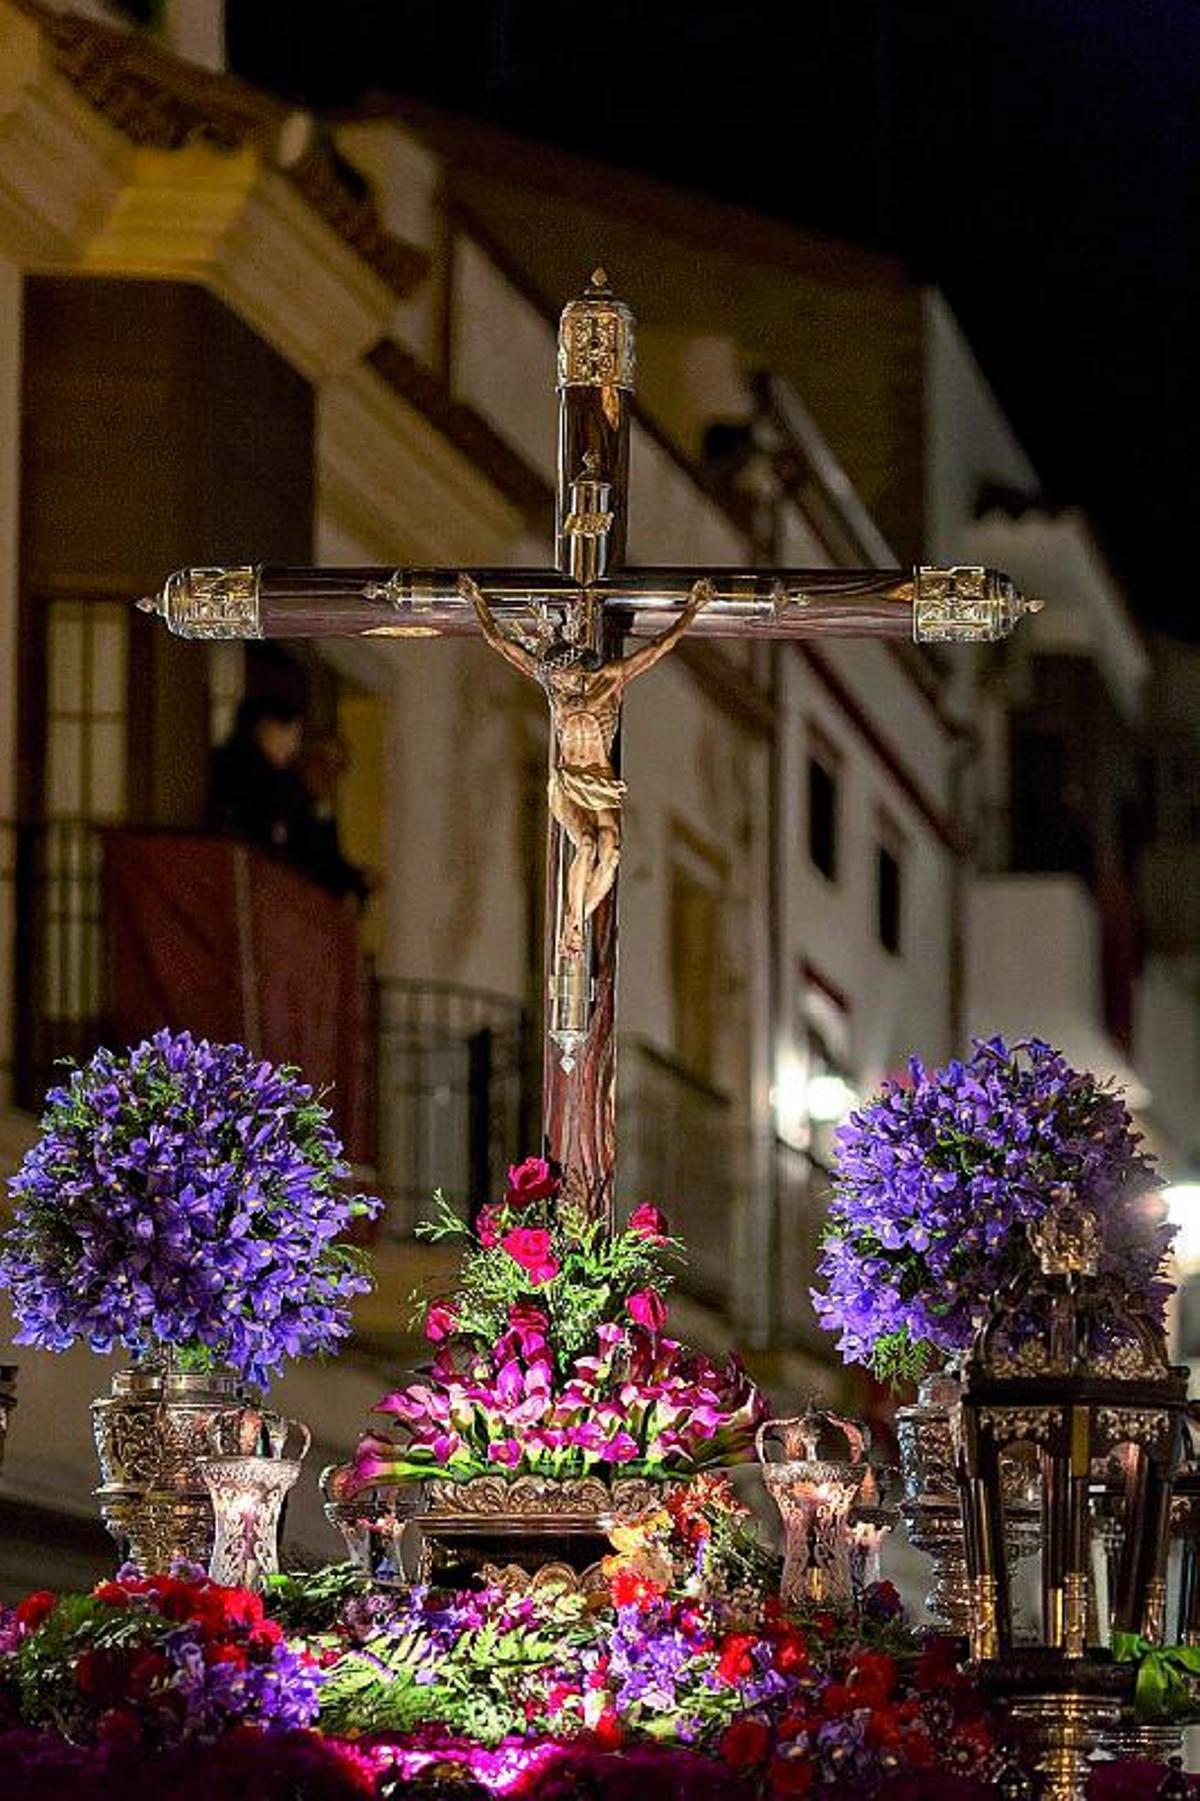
(596, 340)
(966, 604)
(213, 603)
(1032, 1425)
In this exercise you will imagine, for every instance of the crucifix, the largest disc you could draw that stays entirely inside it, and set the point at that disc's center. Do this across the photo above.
(583, 630)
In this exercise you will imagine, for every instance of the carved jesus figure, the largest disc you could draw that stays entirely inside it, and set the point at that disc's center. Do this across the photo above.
(584, 694)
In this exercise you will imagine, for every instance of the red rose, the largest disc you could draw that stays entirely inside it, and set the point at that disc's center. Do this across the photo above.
(735, 1660)
(607, 1730)
(745, 1744)
(146, 1672)
(791, 1650)
(35, 1608)
(531, 1247)
(440, 1321)
(113, 1594)
(647, 1309)
(838, 1698)
(647, 1222)
(791, 1775)
(533, 1180)
(101, 1675)
(629, 1589)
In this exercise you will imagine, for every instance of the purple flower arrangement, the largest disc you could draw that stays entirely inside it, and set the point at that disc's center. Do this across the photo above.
(551, 1357)
(936, 1181)
(185, 1195)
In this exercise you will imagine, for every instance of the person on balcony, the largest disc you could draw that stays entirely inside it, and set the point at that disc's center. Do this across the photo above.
(255, 787)
(315, 845)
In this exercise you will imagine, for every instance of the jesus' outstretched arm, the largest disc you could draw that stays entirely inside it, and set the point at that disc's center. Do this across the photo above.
(648, 655)
(513, 653)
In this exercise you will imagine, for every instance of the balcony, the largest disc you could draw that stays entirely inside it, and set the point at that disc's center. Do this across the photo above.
(120, 932)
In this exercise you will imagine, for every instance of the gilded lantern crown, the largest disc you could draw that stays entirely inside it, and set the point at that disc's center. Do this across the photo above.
(596, 339)
(1066, 1319)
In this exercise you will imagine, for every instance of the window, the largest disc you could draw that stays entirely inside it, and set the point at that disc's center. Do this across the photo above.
(889, 897)
(823, 811)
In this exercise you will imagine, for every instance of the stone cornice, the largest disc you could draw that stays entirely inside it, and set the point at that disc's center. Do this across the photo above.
(468, 431)
(159, 101)
(224, 218)
(61, 167)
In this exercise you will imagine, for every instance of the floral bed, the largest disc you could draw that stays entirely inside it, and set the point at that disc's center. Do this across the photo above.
(686, 1678)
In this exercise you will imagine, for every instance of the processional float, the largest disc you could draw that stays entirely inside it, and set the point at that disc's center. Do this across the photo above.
(1099, 1439)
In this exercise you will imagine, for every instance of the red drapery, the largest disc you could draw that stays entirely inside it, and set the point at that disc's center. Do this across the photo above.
(210, 935)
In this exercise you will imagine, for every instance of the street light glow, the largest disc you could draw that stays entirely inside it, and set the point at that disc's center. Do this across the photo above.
(1183, 1209)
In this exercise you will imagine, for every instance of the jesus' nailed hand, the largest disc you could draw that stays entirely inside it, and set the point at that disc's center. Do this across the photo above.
(584, 694)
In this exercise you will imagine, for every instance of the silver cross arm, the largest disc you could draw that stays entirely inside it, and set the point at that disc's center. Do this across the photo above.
(962, 604)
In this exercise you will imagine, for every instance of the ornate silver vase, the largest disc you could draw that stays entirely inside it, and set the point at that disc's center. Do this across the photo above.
(932, 1504)
(931, 1509)
(151, 1434)
(377, 1524)
(815, 1492)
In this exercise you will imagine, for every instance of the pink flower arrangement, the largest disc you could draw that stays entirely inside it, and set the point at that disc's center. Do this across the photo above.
(639, 1401)
(647, 1309)
(647, 1222)
(552, 1355)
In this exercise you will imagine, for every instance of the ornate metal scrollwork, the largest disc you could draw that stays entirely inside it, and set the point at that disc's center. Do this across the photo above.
(214, 603)
(1031, 1425)
(966, 604)
(596, 340)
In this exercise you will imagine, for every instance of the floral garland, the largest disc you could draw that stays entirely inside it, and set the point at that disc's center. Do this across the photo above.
(185, 1195)
(551, 1357)
(936, 1180)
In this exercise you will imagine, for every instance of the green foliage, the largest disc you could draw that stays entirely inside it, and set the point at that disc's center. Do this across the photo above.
(305, 1601)
(478, 1683)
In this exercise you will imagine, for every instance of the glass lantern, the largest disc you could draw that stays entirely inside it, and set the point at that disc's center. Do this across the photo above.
(1070, 1371)
(248, 1492)
(815, 1492)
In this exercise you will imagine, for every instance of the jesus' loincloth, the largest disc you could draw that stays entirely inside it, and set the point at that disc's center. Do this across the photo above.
(590, 786)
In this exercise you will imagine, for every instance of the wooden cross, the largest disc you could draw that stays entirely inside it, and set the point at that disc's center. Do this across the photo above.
(569, 628)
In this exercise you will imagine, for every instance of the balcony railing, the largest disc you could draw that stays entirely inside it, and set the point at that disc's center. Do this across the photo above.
(119, 933)
(454, 1093)
(680, 1148)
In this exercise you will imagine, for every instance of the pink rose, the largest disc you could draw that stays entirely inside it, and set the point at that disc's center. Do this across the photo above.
(530, 1246)
(648, 1309)
(440, 1321)
(487, 1227)
(647, 1222)
(533, 1180)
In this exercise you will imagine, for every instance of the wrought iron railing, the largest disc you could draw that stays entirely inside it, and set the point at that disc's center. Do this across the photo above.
(452, 1080)
(679, 1146)
(454, 1088)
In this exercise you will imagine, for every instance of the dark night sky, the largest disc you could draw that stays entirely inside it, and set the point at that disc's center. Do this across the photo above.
(1038, 159)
